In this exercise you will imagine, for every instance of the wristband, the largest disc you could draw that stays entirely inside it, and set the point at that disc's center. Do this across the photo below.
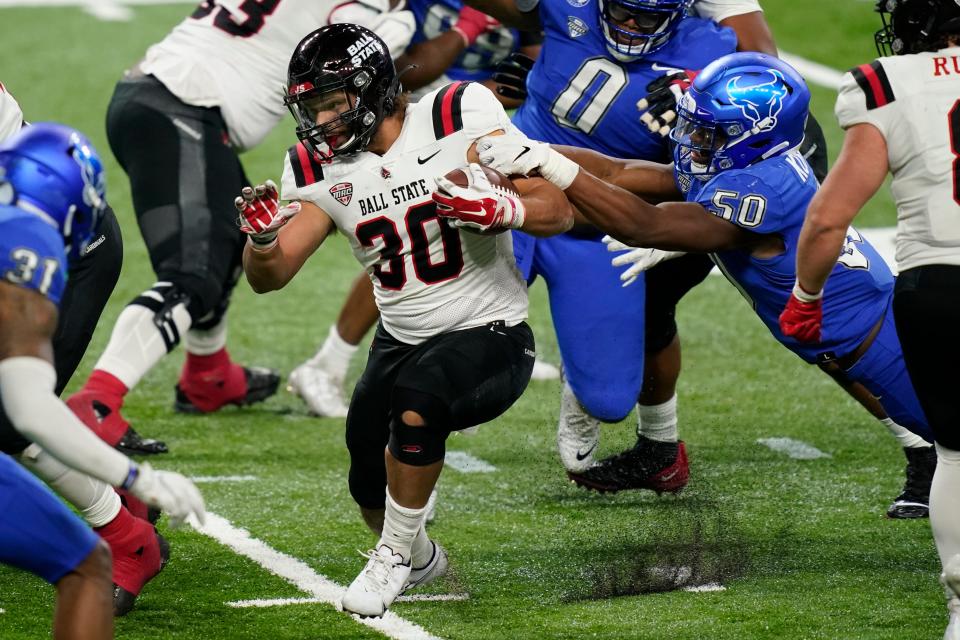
(559, 169)
(132, 474)
(803, 295)
(263, 242)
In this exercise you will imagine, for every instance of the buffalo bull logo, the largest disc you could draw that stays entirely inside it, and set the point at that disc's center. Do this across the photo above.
(760, 102)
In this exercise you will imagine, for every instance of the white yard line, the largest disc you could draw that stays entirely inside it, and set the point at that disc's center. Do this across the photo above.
(302, 576)
(793, 448)
(465, 463)
(211, 479)
(814, 72)
(281, 602)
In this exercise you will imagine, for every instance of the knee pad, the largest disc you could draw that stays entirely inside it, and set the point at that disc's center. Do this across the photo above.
(417, 446)
(163, 299)
(660, 329)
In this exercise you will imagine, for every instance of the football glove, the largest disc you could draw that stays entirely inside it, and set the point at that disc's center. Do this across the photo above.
(515, 154)
(479, 205)
(471, 24)
(511, 75)
(659, 106)
(802, 317)
(640, 259)
(261, 215)
(168, 491)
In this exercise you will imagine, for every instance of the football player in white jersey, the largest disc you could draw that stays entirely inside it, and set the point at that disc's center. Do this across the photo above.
(901, 114)
(176, 124)
(452, 349)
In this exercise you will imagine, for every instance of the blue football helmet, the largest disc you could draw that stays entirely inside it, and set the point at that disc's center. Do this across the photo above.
(742, 108)
(56, 173)
(653, 22)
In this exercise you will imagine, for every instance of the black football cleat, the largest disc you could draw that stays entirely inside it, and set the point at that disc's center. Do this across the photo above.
(658, 466)
(124, 600)
(914, 501)
(133, 444)
(261, 384)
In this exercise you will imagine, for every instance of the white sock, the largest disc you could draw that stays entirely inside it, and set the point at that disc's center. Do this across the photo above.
(335, 354)
(136, 343)
(906, 438)
(205, 342)
(400, 526)
(97, 501)
(944, 506)
(421, 550)
(658, 421)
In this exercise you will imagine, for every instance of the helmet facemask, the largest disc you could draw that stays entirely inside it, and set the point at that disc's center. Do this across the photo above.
(350, 98)
(635, 28)
(701, 144)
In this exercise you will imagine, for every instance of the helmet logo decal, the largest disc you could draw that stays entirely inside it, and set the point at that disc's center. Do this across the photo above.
(362, 49)
(91, 172)
(342, 192)
(301, 88)
(761, 102)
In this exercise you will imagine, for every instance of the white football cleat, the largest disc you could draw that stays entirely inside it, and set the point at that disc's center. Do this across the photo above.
(544, 371)
(322, 392)
(578, 433)
(373, 591)
(950, 579)
(435, 568)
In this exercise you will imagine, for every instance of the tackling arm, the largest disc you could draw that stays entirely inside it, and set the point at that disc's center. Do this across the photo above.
(548, 211)
(857, 175)
(509, 14)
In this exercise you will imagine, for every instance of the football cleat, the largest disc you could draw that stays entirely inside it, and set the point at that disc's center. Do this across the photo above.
(435, 568)
(101, 414)
(322, 391)
(914, 500)
(544, 371)
(139, 554)
(578, 433)
(378, 585)
(215, 391)
(658, 466)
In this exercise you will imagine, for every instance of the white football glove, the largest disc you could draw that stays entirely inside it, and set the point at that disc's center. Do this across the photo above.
(479, 205)
(170, 492)
(639, 259)
(514, 154)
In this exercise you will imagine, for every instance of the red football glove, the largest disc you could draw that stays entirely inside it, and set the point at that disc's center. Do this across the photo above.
(479, 205)
(803, 319)
(261, 215)
(471, 24)
(659, 106)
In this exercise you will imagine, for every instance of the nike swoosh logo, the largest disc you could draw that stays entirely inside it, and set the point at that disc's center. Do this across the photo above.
(581, 456)
(520, 155)
(667, 477)
(427, 159)
(657, 67)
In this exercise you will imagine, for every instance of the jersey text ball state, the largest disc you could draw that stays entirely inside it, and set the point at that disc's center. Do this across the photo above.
(429, 278)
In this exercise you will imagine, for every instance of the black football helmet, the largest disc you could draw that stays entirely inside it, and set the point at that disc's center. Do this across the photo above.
(346, 58)
(911, 26)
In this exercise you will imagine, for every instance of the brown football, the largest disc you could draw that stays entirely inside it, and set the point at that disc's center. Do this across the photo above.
(459, 178)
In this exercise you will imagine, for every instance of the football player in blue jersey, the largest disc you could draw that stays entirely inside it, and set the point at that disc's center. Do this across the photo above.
(737, 165)
(596, 64)
(52, 196)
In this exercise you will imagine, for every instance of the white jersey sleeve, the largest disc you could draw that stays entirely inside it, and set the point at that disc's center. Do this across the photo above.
(11, 117)
(912, 100)
(482, 113)
(718, 10)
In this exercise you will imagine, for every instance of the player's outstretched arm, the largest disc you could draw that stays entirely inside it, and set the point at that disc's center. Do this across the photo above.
(857, 175)
(508, 13)
(271, 257)
(27, 380)
(548, 211)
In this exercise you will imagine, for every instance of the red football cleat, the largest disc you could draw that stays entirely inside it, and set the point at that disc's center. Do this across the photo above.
(208, 383)
(97, 405)
(658, 466)
(139, 554)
